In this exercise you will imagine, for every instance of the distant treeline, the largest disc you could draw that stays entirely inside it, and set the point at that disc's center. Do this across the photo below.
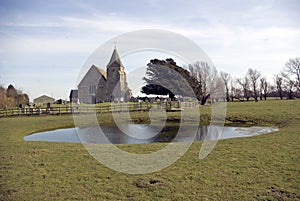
(165, 77)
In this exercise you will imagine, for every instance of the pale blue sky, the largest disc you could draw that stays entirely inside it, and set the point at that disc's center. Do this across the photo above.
(45, 43)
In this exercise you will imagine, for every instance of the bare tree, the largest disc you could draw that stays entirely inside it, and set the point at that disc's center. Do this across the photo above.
(263, 88)
(226, 78)
(244, 82)
(253, 76)
(292, 67)
(292, 71)
(279, 85)
(289, 85)
(11, 91)
(217, 90)
(207, 78)
(234, 92)
(11, 97)
(3, 98)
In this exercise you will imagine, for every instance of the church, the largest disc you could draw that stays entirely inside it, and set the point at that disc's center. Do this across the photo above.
(99, 85)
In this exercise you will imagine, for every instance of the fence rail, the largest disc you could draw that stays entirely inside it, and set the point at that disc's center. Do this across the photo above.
(87, 109)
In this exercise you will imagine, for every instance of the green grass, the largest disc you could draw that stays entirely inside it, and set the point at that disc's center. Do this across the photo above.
(263, 167)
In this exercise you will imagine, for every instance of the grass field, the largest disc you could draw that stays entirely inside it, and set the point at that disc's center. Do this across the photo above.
(265, 167)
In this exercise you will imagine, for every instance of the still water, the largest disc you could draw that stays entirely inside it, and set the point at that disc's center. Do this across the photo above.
(144, 134)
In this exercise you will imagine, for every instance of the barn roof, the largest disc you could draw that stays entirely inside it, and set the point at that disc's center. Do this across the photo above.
(74, 93)
(43, 97)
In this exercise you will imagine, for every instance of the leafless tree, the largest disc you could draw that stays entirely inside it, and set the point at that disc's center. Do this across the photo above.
(292, 72)
(234, 92)
(289, 85)
(217, 89)
(11, 92)
(207, 78)
(3, 98)
(226, 78)
(292, 67)
(253, 76)
(244, 83)
(263, 88)
(11, 97)
(279, 85)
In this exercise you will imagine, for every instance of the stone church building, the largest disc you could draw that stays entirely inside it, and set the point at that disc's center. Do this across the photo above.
(99, 85)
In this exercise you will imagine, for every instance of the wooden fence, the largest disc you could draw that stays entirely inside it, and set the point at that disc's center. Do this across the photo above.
(86, 109)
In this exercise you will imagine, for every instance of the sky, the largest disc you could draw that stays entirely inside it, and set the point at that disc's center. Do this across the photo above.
(44, 44)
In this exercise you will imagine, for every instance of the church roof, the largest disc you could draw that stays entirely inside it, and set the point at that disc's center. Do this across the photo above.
(115, 58)
(100, 71)
(91, 71)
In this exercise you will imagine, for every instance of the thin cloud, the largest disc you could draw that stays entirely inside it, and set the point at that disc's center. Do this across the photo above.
(258, 34)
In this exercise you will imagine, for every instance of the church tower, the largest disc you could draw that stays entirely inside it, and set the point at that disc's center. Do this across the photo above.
(116, 85)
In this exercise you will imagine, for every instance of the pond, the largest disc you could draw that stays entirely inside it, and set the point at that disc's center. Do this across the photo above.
(144, 134)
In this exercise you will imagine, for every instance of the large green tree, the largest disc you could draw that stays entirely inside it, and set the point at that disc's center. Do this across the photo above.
(157, 90)
(165, 77)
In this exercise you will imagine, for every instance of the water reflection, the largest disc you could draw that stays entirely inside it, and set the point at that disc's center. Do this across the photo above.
(167, 134)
